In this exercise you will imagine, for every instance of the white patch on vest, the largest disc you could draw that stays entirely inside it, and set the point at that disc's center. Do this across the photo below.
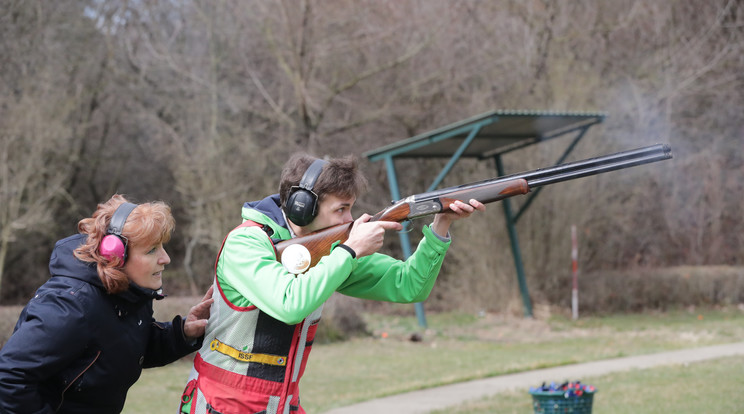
(287, 405)
(235, 328)
(273, 406)
(303, 341)
(201, 402)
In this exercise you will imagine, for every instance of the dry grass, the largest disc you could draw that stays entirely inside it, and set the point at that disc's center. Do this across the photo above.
(660, 288)
(8, 319)
(475, 345)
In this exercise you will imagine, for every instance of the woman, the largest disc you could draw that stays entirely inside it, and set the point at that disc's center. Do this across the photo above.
(83, 339)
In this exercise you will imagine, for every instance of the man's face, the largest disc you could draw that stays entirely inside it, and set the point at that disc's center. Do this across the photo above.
(332, 211)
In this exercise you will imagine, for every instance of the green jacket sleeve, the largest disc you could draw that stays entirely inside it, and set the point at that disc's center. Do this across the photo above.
(381, 277)
(249, 274)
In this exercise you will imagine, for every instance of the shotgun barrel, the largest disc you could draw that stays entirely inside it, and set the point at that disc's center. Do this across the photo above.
(598, 165)
(569, 171)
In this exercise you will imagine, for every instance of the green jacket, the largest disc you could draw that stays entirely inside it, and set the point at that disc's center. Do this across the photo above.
(250, 274)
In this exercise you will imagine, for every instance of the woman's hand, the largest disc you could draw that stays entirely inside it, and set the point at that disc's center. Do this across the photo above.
(196, 321)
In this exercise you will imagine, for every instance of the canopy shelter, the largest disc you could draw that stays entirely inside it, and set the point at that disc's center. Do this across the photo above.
(486, 136)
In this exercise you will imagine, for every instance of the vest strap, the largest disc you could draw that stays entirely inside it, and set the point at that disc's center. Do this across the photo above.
(267, 359)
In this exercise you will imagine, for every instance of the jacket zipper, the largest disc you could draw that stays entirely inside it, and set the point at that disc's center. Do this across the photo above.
(75, 379)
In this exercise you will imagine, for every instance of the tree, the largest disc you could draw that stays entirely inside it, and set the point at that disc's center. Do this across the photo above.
(38, 144)
(200, 102)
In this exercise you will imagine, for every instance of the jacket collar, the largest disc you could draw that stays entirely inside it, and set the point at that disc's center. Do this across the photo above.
(137, 293)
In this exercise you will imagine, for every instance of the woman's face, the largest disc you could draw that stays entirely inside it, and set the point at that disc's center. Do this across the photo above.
(145, 265)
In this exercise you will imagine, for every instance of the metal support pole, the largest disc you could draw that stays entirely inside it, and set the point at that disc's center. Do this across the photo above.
(455, 157)
(516, 252)
(574, 272)
(405, 241)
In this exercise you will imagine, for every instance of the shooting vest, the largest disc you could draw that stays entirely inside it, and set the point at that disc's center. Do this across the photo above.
(250, 362)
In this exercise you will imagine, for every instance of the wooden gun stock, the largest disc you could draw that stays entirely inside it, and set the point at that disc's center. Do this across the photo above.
(319, 243)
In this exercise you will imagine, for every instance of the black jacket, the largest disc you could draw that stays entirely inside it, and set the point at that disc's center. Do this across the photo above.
(77, 349)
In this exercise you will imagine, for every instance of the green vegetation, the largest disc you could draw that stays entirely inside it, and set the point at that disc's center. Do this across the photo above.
(709, 387)
(459, 347)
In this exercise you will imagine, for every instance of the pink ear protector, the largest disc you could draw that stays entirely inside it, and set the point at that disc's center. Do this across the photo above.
(114, 244)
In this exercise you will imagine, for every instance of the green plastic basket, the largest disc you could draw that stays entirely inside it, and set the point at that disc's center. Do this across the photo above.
(555, 402)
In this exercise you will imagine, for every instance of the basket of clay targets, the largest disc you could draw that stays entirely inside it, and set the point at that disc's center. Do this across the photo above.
(569, 397)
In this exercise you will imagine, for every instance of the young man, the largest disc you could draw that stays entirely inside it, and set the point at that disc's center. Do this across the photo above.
(264, 318)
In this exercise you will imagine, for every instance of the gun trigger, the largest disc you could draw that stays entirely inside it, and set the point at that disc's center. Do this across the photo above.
(406, 227)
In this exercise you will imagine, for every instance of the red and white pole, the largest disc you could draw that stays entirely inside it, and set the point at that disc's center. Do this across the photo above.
(575, 269)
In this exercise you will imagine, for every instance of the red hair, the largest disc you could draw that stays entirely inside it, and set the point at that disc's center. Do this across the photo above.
(148, 224)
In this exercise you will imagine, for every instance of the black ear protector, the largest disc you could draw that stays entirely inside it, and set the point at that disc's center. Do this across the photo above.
(114, 244)
(302, 203)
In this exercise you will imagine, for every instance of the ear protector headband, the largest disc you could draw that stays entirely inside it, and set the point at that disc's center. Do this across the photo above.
(302, 203)
(114, 244)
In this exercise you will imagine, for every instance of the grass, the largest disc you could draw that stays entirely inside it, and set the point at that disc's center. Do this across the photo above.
(459, 347)
(710, 387)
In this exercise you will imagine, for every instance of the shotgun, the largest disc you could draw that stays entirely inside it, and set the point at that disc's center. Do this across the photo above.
(319, 243)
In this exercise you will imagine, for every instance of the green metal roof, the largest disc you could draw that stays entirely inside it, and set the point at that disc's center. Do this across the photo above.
(495, 132)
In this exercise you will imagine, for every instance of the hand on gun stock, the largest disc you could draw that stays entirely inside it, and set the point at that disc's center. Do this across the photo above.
(457, 210)
(367, 236)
